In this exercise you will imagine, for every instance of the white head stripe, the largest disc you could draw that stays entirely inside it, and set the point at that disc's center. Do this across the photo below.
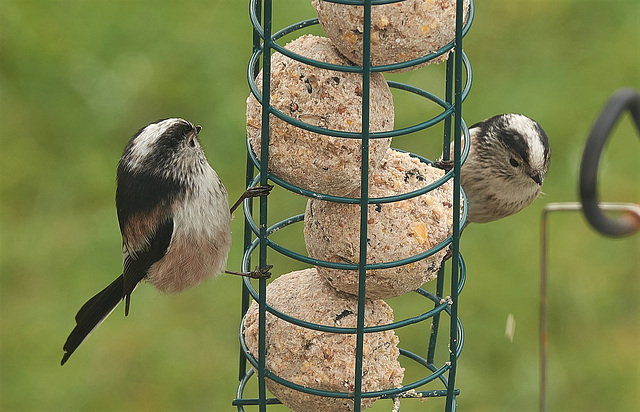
(144, 143)
(527, 128)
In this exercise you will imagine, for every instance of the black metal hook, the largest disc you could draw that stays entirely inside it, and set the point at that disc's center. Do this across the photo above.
(623, 99)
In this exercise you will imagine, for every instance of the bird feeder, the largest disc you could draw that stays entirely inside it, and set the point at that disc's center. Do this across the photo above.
(307, 338)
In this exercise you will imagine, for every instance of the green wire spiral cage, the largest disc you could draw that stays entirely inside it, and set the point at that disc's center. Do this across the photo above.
(257, 234)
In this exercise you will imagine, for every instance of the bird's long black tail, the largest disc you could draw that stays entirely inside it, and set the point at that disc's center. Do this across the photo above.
(92, 313)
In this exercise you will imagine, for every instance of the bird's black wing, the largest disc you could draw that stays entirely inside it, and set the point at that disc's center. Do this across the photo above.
(136, 269)
(92, 313)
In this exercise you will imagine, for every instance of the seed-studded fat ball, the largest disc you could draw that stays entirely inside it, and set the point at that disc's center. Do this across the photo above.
(323, 360)
(400, 31)
(395, 230)
(325, 98)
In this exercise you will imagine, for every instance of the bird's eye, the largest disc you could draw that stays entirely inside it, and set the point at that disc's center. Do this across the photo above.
(514, 162)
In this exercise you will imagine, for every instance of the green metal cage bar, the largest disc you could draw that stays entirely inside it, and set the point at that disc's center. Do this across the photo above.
(257, 234)
(450, 403)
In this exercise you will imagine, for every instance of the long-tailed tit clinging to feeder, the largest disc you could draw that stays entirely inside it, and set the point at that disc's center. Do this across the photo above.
(174, 218)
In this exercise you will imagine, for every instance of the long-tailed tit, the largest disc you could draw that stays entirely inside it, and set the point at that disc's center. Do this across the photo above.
(174, 218)
(507, 163)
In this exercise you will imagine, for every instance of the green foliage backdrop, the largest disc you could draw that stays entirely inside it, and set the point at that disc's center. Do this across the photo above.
(78, 78)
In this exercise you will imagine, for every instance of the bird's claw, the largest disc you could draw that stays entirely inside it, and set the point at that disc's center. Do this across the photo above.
(260, 273)
(447, 256)
(257, 273)
(445, 165)
(257, 191)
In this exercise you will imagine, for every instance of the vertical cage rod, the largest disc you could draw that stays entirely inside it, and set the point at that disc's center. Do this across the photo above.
(448, 90)
(247, 235)
(264, 155)
(455, 246)
(446, 155)
(247, 243)
(364, 204)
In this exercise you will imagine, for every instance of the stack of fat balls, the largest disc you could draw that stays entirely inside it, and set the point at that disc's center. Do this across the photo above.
(332, 165)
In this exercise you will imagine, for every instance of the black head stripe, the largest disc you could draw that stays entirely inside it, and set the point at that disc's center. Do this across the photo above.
(491, 126)
(173, 138)
(498, 127)
(543, 139)
(515, 142)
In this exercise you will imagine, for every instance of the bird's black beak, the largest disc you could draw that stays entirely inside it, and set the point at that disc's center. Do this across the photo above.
(198, 128)
(537, 177)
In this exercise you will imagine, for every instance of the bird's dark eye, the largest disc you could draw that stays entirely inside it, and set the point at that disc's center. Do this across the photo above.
(514, 162)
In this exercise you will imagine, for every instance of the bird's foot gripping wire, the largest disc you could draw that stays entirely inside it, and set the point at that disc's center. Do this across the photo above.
(445, 165)
(257, 273)
(255, 191)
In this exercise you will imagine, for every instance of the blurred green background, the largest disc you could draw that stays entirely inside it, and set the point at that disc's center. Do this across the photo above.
(78, 78)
